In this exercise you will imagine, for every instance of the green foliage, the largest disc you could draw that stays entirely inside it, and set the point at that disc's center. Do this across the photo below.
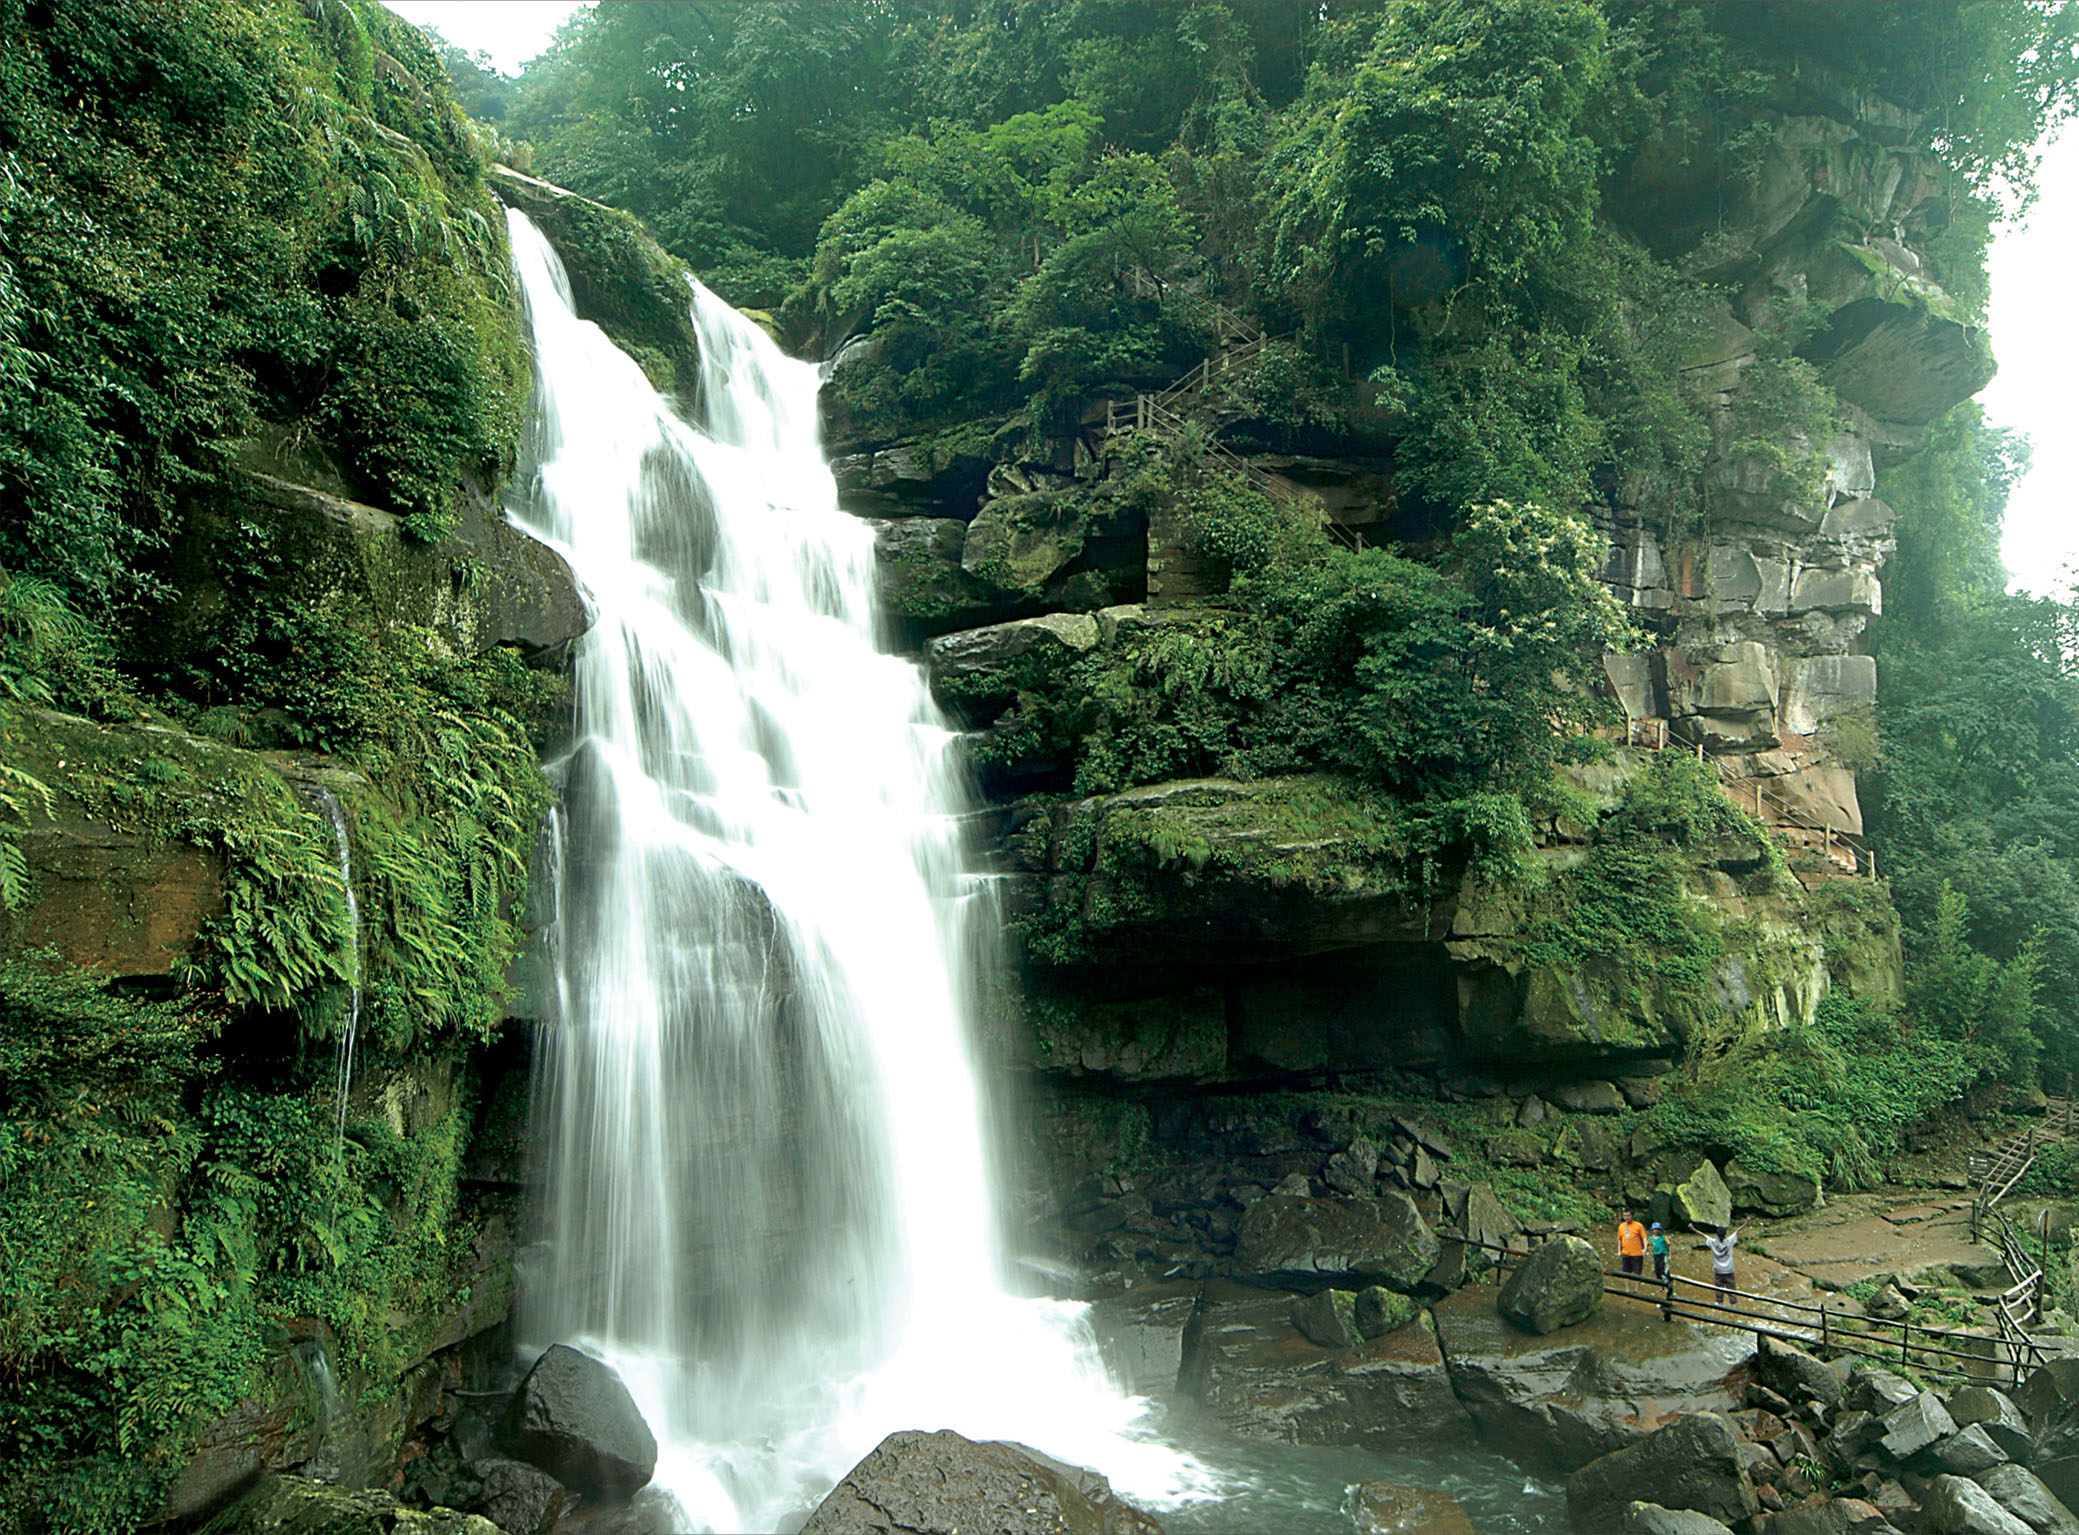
(1831, 1100)
(162, 1222)
(213, 214)
(1974, 807)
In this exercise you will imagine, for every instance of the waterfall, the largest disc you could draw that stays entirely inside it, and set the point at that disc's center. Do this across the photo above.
(764, 1187)
(343, 1071)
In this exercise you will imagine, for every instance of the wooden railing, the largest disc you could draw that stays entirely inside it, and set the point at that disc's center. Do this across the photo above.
(1749, 794)
(1928, 1350)
(1997, 1173)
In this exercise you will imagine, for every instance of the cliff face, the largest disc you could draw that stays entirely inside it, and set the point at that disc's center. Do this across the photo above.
(1228, 931)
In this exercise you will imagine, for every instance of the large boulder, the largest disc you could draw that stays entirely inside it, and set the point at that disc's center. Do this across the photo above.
(969, 654)
(1389, 1508)
(1770, 1193)
(1248, 1366)
(293, 1505)
(1954, 1506)
(1702, 1199)
(574, 1419)
(2021, 1493)
(1692, 1463)
(520, 1499)
(1652, 1519)
(1795, 1374)
(1302, 1243)
(1917, 1425)
(1559, 1284)
(935, 1484)
(1995, 1412)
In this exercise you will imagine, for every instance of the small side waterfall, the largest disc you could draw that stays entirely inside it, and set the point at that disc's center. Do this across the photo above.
(765, 1196)
(349, 1033)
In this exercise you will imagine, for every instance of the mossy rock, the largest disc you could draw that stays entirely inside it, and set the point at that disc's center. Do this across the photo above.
(620, 279)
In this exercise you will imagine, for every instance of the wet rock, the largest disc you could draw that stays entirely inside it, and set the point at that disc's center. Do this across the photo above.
(1692, 1463)
(1969, 1451)
(2021, 1493)
(291, 1505)
(1913, 1426)
(1795, 1373)
(934, 1484)
(1996, 1413)
(1652, 1519)
(574, 1419)
(1141, 1335)
(1354, 1169)
(1594, 1097)
(1388, 1508)
(1531, 1111)
(1872, 1388)
(1560, 1400)
(1953, 1506)
(1247, 1366)
(1702, 1198)
(1382, 1240)
(1559, 1284)
(1836, 1516)
(520, 1499)
(1329, 1318)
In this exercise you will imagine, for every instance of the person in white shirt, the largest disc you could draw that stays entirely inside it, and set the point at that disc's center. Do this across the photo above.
(1722, 1258)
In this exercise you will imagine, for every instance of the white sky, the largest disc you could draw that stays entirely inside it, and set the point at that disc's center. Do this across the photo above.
(511, 31)
(2034, 321)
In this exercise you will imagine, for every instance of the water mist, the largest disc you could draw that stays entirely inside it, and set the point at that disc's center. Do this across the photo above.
(766, 1199)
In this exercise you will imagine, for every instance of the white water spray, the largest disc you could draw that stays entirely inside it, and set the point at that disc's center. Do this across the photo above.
(766, 1196)
(344, 1065)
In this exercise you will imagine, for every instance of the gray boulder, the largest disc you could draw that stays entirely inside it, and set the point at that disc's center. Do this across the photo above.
(1593, 1097)
(2055, 1457)
(1305, 1242)
(1877, 1390)
(933, 1484)
(574, 1419)
(1913, 1426)
(1953, 1506)
(1692, 1463)
(1486, 1220)
(1795, 1374)
(1559, 1284)
(1996, 1413)
(1836, 1516)
(1702, 1198)
(1969, 1451)
(1652, 1519)
(2022, 1493)
(1329, 1318)
(1354, 1169)
(520, 1499)
(1770, 1193)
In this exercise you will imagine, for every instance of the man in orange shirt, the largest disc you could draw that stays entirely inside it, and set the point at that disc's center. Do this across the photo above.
(1631, 1245)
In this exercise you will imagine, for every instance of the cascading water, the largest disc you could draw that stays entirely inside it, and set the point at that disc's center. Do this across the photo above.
(335, 814)
(765, 1191)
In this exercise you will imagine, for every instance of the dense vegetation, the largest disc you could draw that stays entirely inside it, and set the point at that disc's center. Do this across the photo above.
(224, 224)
